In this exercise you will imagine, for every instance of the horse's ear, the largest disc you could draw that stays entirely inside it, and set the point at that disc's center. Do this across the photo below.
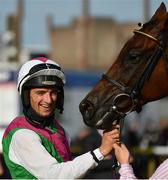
(159, 12)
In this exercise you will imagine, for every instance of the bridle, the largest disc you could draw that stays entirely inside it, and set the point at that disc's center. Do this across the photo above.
(132, 94)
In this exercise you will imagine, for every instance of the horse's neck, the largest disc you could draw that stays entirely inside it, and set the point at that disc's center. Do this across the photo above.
(157, 86)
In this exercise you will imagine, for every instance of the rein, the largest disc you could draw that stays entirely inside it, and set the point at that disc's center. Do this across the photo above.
(132, 94)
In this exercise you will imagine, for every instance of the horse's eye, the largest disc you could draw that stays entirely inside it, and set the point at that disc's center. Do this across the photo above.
(134, 54)
(133, 57)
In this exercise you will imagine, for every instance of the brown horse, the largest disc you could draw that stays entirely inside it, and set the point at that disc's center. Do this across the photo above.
(138, 76)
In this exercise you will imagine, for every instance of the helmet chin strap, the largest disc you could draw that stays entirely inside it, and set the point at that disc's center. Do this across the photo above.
(36, 120)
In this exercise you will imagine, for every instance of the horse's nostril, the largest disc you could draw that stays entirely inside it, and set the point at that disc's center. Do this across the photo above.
(86, 109)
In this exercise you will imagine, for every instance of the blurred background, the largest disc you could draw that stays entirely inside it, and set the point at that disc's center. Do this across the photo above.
(84, 37)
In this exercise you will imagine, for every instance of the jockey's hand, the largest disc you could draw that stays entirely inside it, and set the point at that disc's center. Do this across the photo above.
(109, 138)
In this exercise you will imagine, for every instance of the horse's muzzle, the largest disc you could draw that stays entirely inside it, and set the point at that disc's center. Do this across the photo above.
(101, 118)
(87, 110)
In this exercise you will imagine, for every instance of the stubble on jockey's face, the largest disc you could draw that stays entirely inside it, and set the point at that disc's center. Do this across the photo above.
(43, 100)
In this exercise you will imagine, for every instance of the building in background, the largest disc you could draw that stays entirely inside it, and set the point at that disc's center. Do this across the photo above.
(88, 44)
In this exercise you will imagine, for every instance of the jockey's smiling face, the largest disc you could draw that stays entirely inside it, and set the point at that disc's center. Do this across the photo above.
(43, 100)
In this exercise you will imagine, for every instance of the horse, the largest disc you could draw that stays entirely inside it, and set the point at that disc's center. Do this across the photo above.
(138, 76)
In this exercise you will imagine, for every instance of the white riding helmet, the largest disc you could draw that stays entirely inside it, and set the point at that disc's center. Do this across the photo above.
(41, 72)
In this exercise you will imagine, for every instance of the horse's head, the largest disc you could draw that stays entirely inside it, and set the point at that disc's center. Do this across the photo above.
(136, 77)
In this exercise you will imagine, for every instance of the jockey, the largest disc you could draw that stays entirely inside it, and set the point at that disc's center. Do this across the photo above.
(35, 145)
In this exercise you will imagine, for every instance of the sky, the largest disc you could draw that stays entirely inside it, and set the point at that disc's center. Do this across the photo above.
(34, 29)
